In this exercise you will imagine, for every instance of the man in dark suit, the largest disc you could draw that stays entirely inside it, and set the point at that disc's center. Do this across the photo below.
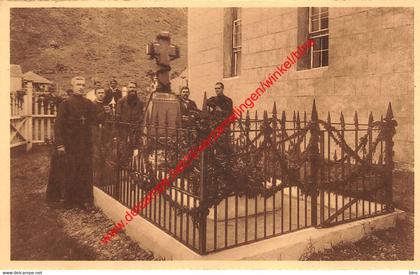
(130, 108)
(129, 115)
(188, 107)
(113, 93)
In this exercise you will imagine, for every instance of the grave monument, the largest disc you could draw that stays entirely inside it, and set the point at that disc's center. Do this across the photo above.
(164, 104)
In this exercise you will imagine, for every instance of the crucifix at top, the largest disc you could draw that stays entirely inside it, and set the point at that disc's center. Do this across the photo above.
(163, 51)
(83, 119)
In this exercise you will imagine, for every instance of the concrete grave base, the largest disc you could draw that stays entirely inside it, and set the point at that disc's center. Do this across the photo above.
(290, 246)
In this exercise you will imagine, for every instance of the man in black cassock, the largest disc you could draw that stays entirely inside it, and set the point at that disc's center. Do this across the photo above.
(101, 136)
(188, 107)
(101, 109)
(220, 105)
(72, 161)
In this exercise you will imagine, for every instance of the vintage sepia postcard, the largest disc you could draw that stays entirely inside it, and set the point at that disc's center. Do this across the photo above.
(159, 135)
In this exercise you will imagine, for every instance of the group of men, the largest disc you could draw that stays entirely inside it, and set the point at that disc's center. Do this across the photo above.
(219, 105)
(79, 119)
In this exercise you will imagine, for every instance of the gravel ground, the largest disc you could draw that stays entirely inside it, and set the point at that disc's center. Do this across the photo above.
(39, 232)
(394, 244)
(89, 226)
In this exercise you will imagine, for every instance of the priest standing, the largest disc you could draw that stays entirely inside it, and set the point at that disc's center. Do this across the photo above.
(73, 137)
(221, 106)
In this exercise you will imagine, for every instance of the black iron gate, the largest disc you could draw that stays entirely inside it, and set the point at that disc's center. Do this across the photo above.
(262, 178)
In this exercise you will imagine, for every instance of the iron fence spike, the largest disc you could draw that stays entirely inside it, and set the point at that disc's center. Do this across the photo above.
(274, 108)
(204, 108)
(389, 113)
(356, 119)
(314, 113)
(370, 121)
(342, 120)
(283, 118)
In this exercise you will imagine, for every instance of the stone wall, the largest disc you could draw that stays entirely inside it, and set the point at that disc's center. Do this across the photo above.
(370, 64)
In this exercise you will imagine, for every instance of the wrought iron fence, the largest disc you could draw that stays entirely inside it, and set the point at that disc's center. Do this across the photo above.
(264, 177)
(138, 157)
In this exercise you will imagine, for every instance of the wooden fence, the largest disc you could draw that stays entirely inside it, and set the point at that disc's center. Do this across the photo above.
(31, 118)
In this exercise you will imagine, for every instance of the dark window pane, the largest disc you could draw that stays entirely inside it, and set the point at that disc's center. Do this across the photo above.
(324, 9)
(235, 13)
(324, 23)
(235, 40)
(315, 24)
(317, 45)
(315, 11)
(324, 42)
(238, 64)
(315, 17)
(325, 58)
(316, 62)
(234, 64)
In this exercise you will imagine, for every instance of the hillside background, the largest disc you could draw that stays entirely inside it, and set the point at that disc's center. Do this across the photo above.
(101, 43)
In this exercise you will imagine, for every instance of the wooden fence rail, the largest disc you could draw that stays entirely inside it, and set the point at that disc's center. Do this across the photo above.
(32, 118)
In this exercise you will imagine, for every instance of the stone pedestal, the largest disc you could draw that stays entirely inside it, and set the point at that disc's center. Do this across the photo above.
(162, 105)
(291, 202)
(255, 205)
(242, 210)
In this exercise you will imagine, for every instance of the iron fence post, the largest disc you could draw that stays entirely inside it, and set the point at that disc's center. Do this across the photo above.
(389, 129)
(202, 227)
(314, 158)
(116, 169)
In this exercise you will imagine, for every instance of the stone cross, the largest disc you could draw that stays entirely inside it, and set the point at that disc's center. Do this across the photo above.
(163, 51)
